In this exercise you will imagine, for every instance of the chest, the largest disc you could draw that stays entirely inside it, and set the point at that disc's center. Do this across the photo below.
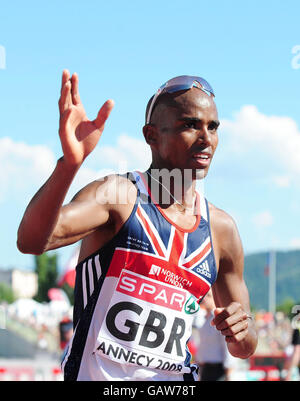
(153, 247)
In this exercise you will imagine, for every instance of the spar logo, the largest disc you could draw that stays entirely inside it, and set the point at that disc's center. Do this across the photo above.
(151, 291)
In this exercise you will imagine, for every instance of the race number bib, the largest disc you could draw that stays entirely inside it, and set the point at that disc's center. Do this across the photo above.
(148, 324)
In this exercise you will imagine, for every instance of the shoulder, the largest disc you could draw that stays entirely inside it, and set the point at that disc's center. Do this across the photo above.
(221, 221)
(226, 237)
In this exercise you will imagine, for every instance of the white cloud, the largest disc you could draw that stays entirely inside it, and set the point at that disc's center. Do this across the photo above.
(128, 154)
(2, 58)
(267, 146)
(26, 167)
(22, 165)
(39, 158)
(295, 243)
(282, 181)
(263, 219)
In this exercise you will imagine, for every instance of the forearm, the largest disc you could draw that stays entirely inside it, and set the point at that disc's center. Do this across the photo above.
(42, 213)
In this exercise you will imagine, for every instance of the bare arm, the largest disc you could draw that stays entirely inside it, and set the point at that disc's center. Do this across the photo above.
(46, 223)
(232, 316)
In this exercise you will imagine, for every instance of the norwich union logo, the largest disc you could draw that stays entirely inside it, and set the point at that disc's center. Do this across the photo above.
(191, 306)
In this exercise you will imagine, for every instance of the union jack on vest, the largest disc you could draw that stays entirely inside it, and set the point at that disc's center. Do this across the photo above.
(136, 297)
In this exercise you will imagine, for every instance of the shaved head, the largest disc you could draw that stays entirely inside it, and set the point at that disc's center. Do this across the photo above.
(177, 100)
(165, 99)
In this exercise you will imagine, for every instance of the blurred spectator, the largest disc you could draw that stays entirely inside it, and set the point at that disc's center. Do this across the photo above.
(65, 331)
(212, 355)
(294, 359)
(42, 341)
(274, 332)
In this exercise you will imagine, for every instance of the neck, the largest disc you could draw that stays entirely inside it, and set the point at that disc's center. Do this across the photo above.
(172, 186)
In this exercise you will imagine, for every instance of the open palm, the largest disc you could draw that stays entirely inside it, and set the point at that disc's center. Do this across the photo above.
(78, 135)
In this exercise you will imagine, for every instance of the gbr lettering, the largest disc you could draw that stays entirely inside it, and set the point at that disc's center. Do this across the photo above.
(153, 333)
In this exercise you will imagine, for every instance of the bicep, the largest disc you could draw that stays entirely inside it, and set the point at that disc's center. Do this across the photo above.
(83, 215)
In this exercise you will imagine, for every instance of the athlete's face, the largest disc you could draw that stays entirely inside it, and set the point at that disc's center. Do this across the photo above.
(184, 136)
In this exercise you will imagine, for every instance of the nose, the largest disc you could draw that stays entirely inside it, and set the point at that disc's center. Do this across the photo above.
(204, 136)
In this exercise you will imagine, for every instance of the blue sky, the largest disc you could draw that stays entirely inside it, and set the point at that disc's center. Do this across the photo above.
(125, 51)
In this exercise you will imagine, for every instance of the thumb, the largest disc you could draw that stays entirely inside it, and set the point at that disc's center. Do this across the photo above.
(217, 311)
(103, 113)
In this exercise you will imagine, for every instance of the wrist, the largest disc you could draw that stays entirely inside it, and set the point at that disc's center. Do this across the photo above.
(245, 348)
(68, 167)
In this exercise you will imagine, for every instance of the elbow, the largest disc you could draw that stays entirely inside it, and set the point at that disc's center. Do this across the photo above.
(29, 250)
(21, 245)
(28, 247)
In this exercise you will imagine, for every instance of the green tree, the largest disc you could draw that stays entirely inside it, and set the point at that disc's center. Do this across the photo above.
(287, 306)
(46, 269)
(6, 293)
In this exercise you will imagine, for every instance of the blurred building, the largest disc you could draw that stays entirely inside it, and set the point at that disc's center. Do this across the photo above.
(23, 283)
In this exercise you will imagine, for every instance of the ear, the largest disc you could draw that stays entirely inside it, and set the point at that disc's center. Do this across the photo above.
(150, 134)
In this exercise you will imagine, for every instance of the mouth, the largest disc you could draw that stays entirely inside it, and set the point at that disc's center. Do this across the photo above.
(202, 158)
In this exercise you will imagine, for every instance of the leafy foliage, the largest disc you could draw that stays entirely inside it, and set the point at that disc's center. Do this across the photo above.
(46, 269)
(6, 293)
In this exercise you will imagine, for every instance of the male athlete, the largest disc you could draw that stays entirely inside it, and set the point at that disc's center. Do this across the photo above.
(145, 263)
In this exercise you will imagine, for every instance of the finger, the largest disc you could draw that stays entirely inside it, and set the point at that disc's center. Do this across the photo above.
(232, 330)
(217, 311)
(65, 98)
(65, 78)
(74, 89)
(237, 337)
(231, 320)
(63, 123)
(103, 114)
(223, 313)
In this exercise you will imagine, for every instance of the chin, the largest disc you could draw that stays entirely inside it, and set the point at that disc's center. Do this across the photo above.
(199, 174)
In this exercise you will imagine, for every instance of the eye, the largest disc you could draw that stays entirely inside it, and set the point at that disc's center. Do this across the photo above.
(213, 126)
(190, 125)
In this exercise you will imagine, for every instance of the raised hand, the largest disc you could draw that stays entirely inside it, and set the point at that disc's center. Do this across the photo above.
(78, 135)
